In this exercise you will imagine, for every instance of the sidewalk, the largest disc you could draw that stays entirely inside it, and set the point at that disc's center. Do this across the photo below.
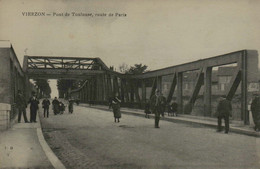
(23, 146)
(235, 126)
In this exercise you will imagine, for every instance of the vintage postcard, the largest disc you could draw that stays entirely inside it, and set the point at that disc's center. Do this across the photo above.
(130, 84)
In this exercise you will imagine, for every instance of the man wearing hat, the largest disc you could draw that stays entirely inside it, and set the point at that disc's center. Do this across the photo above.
(156, 106)
(224, 111)
(33, 107)
(255, 108)
(45, 105)
(21, 105)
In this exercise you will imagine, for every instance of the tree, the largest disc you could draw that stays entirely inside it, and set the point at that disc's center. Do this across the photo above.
(43, 86)
(65, 85)
(137, 69)
(123, 68)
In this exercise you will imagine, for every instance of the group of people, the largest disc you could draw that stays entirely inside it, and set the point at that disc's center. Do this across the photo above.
(57, 106)
(156, 106)
(158, 103)
(172, 108)
(224, 111)
(21, 103)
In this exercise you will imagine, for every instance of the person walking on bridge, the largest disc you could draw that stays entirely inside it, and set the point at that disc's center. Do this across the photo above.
(116, 108)
(255, 108)
(55, 104)
(71, 102)
(33, 107)
(157, 101)
(224, 109)
(45, 105)
(21, 105)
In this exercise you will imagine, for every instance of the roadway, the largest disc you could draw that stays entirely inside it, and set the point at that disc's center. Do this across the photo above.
(89, 138)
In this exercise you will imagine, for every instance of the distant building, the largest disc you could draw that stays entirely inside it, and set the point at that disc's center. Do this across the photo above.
(220, 81)
(224, 78)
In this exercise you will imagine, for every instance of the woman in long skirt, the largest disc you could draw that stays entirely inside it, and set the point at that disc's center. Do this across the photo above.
(116, 108)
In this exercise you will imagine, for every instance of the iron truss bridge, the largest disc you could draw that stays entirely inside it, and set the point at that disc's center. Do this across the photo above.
(63, 67)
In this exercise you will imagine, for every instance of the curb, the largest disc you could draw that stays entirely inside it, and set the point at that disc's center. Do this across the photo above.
(231, 129)
(56, 163)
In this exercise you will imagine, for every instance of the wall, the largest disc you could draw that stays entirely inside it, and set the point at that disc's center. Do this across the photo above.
(5, 73)
(11, 80)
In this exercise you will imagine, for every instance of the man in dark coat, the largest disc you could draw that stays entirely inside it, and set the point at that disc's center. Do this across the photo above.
(21, 105)
(224, 111)
(33, 107)
(255, 108)
(45, 105)
(55, 104)
(156, 104)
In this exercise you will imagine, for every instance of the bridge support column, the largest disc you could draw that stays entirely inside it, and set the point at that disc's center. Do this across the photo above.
(94, 90)
(136, 91)
(104, 85)
(83, 91)
(132, 95)
(244, 111)
(89, 91)
(99, 88)
(116, 86)
(207, 91)
(154, 86)
(125, 90)
(143, 92)
(172, 89)
(109, 85)
(122, 90)
(179, 92)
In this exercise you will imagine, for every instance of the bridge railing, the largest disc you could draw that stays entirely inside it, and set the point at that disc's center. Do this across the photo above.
(135, 90)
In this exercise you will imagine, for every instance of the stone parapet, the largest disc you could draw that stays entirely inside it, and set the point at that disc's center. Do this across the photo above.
(5, 110)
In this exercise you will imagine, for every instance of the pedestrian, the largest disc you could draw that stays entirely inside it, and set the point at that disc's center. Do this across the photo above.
(71, 102)
(55, 106)
(174, 108)
(45, 105)
(224, 109)
(21, 105)
(61, 107)
(116, 108)
(33, 107)
(147, 110)
(255, 108)
(156, 104)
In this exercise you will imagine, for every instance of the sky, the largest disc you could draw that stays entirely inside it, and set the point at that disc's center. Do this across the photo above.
(158, 33)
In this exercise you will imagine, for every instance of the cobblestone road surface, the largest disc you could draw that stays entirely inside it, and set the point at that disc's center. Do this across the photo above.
(90, 139)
